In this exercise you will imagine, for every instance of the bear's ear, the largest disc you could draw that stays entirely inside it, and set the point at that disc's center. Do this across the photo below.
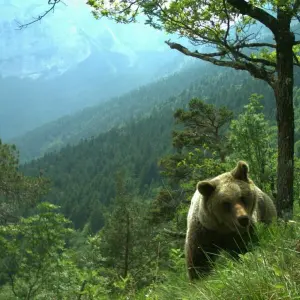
(241, 170)
(205, 188)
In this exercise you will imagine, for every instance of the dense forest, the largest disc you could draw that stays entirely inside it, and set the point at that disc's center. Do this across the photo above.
(83, 175)
(110, 206)
(121, 204)
(94, 206)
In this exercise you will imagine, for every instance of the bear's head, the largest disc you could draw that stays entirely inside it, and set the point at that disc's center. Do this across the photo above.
(228, 200)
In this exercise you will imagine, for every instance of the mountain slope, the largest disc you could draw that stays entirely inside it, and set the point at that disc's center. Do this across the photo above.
(44, 75)
(83, 175)
(93, 120)
(27, 103)
(205, 79)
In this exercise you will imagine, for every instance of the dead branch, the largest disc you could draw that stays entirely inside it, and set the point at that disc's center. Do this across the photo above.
(52, 4)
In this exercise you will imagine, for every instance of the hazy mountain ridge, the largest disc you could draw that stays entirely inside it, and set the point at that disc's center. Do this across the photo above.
(38, 49)
(70, 61)
(202, 80)
(100, 118)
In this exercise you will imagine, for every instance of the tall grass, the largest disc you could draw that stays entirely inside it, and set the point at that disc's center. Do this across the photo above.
(270, 271)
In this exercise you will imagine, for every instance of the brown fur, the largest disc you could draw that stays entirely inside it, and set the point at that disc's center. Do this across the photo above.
(222, 216)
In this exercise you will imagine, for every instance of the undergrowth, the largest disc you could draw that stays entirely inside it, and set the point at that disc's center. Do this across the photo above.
(270, 271)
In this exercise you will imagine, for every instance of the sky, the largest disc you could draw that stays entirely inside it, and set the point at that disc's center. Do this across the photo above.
(78, 13)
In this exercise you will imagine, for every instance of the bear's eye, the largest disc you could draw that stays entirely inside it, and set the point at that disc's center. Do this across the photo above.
(243, 200)
(226, 206)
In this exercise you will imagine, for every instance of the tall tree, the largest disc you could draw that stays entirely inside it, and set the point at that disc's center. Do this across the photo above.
(203, 125)
(126, 235)
(231, 28)
(201, 147)
(16, 190)
(252, 139)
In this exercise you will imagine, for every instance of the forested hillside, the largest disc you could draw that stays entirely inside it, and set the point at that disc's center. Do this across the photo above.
(101, 204)
(96, 119)
(110, 187)
(224, 86)
(83, 175)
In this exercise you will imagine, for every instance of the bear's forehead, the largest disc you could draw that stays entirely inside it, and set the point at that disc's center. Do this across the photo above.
(229, 190)
(233, 189)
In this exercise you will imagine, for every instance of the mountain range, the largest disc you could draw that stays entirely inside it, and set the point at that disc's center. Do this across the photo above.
(70, 61)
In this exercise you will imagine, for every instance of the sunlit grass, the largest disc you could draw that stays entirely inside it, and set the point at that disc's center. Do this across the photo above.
(270, 271)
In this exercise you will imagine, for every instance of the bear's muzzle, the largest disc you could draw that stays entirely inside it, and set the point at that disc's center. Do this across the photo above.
(241, 215)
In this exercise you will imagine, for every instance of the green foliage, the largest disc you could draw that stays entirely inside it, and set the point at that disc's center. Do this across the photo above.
(253, 139)
(224, 25)
(94, 277)
(16, 190)
(203, 125)
(202, 167)
(201, 150)
(176, 259)
(126, 235)
(34, 259)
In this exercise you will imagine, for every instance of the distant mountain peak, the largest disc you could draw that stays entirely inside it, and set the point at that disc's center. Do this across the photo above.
(64, 39)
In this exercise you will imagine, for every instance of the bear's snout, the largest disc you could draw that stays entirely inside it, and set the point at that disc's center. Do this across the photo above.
(241, 215)
(243, 221)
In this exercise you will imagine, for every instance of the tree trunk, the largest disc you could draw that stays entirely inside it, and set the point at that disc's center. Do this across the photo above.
(126, 259)
(285, 117)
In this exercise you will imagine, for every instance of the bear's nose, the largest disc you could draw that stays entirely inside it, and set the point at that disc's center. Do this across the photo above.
(244, 221)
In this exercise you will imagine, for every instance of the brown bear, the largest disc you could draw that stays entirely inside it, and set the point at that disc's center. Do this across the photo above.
(222, 216)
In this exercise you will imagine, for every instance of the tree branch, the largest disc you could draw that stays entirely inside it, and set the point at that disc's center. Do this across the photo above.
(238, 47)
(255, 45)
(255, 71)
(296, 63)
(234, 51)
(228, 23)
(248, 9)
(174, 233)
(12, 284)
(296, 6)
(53, 3)
(81, 289)
(257, 60)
